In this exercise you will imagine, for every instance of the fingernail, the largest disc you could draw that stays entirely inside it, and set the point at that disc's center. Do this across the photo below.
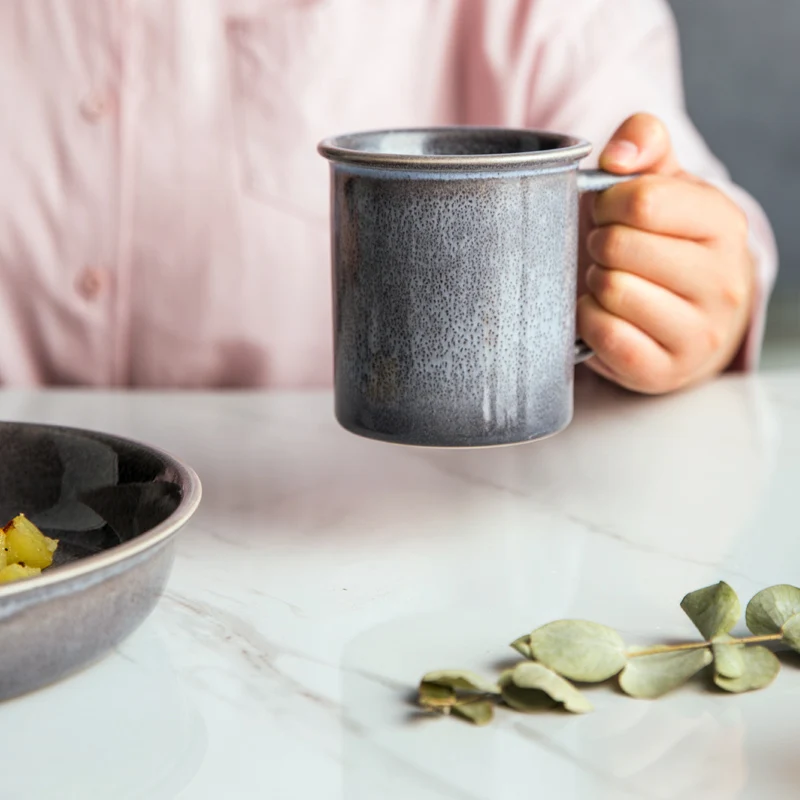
(622, 153)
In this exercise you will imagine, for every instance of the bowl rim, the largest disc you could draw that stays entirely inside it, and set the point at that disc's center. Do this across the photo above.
(192, 492)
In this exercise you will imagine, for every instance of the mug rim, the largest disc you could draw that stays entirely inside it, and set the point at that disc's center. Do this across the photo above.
(570, 149)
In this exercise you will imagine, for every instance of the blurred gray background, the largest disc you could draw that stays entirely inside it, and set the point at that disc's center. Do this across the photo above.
(741, 61)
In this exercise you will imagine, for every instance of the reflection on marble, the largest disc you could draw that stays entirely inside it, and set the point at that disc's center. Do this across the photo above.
(124, 729)
(324, 573)
(689, 745)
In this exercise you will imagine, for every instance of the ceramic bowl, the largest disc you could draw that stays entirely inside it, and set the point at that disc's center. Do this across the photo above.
(115, 506)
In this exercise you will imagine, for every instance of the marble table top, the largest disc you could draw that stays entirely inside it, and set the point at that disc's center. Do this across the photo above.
(324, 574)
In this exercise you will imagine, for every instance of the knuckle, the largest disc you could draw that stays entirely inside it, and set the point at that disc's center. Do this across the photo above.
(735, 284)
(607, 339)
(643, 203)
(734, 294)
(739, 223)
(608, 286)
(618, 348)
(630, 357)
(713, 338)
(613, 246)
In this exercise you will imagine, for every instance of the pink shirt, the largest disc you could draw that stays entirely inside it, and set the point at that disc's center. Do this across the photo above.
(163, 210)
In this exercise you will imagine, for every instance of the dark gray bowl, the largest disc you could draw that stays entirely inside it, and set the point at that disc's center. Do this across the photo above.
(115, 507)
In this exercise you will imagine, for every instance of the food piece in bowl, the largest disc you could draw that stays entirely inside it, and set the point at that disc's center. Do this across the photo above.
(24, 550)
(13, 572)
(27, 545)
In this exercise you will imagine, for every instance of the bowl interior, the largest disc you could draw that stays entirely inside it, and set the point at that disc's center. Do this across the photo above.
(90, 491)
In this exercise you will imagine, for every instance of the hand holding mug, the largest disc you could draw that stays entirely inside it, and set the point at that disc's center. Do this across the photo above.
(671, 288)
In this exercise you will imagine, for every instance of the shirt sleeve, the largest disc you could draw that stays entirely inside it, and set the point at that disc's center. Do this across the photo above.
(583, 67)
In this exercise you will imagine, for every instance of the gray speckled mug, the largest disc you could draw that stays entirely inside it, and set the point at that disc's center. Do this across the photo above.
(454, 283)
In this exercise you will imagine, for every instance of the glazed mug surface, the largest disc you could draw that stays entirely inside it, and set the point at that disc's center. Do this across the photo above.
(454, 256)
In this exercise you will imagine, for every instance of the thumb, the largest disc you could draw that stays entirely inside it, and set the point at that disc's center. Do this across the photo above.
(640, 144)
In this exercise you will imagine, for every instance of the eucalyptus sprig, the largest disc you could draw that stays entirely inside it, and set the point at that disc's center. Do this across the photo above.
(587, 652)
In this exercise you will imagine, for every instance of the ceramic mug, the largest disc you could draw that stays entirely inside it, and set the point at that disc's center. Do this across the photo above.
(454, 254)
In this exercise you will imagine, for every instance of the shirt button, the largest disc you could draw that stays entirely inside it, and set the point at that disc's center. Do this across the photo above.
(94, 107)
(91, 282)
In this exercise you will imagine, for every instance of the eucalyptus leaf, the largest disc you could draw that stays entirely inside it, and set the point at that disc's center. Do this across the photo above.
(462, 679)
(523, 646)
(654, 675)
(527, 699)
(791, 632)
(433, 696)
(580, 650)
(771, 608)
(478, 712)
(532, 677)
(761, 666)
(728, 658)
(524, 699)
(714, 609)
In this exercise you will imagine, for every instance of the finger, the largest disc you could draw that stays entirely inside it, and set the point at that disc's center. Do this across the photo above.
(662, 315)
(601, 368)
(669, 206)
(641, 144)
(635, 360)
(679, 265)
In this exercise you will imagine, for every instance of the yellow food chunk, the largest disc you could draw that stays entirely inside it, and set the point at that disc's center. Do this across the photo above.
(3, 554)
(26, 544)
(13, 572)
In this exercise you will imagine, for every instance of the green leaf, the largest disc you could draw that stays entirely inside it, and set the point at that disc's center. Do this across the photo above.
(791, 632)
(728, 659)
(760, 668)
(527, 699)
(523, 699)
(580, 650)
(478, 712)
(462, 679)
(433, 696)
(440, 690)
(771, 608)
(714, 610)
(523, 646)
(524, 686)
(655, 675)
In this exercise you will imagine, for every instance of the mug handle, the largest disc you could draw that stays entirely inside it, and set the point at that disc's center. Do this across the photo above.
(595, 180)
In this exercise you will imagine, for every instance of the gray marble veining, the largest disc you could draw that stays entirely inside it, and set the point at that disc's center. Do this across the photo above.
(325, 573)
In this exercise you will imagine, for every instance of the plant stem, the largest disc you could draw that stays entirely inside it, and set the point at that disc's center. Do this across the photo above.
(767, 637)
(674, 648)
(667, 648)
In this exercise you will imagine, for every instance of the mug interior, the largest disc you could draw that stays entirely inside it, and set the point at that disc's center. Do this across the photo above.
(454, 147)
(453, 142)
